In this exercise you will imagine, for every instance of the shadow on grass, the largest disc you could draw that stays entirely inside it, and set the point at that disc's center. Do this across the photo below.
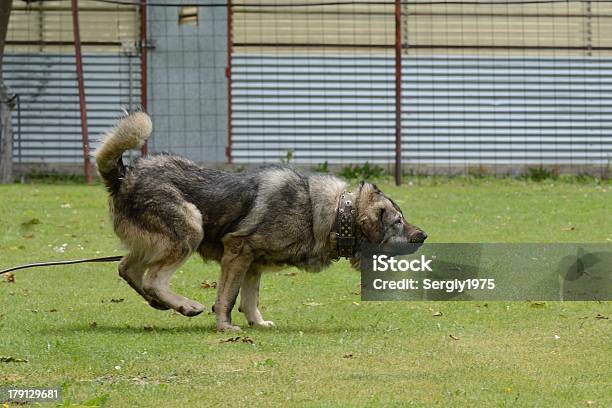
(209, 328)
(125, 329)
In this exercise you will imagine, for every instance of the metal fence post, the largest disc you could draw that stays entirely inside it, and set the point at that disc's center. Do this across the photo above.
(143, 63)
(19, 151)
(228, 75)
(81, 85)
(398, 93)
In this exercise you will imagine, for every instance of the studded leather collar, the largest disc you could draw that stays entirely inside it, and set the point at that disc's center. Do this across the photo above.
(345, 225)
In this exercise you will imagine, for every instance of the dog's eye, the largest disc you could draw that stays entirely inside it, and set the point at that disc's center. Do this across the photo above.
(399, 221)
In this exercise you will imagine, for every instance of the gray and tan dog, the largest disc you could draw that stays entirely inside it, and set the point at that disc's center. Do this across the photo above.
(165, 207)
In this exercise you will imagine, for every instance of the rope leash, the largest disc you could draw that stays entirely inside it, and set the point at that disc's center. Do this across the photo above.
(74, 261)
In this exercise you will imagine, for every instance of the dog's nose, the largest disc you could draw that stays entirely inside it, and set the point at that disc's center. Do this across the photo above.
(419, 237)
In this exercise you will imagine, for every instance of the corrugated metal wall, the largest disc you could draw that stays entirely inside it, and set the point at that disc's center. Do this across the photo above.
(511, 110)
(512, 83)
(517, 27)
(39, 65)
(457, 109)
(491, 83)
(335, 109)
(47, 123)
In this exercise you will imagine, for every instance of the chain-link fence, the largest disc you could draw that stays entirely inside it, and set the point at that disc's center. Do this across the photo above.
(487, 87)
(39, 66)
(446, 87)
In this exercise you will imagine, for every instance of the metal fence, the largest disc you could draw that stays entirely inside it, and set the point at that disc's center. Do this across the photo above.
(41, 68)
(488, 87)
(187, 85)
(48, 126)
(447, 87)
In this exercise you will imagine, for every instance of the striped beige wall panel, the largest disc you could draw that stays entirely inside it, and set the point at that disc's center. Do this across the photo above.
(47, 27)
(564, 28)
(339, 25)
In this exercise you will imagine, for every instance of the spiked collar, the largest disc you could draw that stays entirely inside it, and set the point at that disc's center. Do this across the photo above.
(345, 225)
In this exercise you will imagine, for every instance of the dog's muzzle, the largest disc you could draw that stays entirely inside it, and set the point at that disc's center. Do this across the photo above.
(418, 237)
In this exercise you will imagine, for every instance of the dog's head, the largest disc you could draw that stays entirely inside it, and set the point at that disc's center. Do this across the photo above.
(382, 223)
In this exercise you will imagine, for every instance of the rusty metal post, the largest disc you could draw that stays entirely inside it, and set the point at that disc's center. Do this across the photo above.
(81, 86)
(143, 64)
(228, 75)
(398, 93)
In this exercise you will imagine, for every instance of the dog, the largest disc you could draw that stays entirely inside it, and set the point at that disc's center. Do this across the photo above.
(165, 208)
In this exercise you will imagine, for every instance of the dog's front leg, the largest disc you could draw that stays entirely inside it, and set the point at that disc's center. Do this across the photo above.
(236, 260)
(249, 298)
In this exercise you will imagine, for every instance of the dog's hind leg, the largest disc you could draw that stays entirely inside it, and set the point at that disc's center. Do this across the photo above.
(156, 284)
(132, 270)
(249, 298)
(236, 260)
(164, 253)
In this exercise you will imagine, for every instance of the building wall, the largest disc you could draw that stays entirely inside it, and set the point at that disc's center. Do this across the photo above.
(502, 84)
(505, 83)
(39, 66)
(513, 27)
(46, 27)
(456, 110)
(46, 123)
(186, 78)
(187, 88)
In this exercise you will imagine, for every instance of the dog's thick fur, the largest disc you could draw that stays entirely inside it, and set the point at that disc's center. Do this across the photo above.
(166, 207)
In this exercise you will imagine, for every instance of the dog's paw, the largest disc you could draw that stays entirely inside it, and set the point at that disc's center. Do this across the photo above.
(264, 324)
(190, 308)
(158, 305)
(227, 327)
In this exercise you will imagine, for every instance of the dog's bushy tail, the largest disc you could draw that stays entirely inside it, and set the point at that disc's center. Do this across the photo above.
(130, 133)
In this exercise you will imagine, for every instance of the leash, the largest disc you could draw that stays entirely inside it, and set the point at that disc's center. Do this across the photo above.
(74, 261)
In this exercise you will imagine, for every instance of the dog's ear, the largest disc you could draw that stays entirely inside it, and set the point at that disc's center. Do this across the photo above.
(370, 212)
(368, 188)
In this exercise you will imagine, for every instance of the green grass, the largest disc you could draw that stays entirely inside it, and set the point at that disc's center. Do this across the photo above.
(329, 348)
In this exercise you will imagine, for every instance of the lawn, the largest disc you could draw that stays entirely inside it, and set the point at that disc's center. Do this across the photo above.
(83, 328)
